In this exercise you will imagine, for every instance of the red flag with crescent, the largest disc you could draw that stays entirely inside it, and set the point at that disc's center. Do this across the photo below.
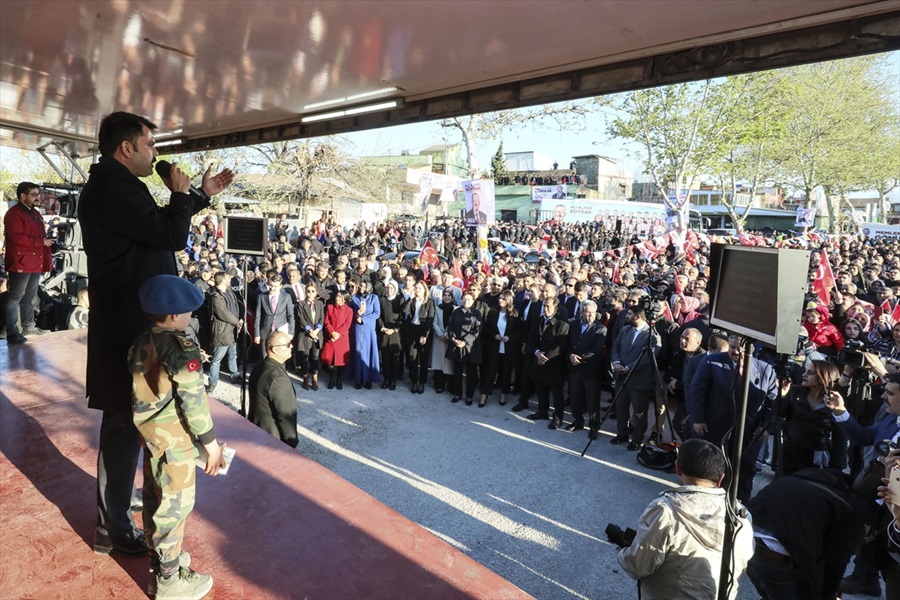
(429, 255)
(824, 281)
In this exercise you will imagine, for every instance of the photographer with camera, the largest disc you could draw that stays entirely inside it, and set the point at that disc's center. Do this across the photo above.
(811, 438)
(677, 550)
(870, 438)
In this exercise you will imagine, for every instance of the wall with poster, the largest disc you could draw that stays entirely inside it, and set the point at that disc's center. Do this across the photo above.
(606, 211)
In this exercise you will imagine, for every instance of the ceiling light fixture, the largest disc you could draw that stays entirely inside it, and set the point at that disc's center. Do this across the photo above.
(353, 111)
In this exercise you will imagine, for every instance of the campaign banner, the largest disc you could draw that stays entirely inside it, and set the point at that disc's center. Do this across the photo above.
(632, 215)
(479, 195)
(539, 193)
(881, 230)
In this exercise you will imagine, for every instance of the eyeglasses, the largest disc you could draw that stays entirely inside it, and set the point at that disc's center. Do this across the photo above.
(288, 345)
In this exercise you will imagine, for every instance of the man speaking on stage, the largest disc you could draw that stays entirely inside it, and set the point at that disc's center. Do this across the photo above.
(128, 239)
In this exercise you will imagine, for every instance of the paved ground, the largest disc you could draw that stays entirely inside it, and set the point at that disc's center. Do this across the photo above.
(507, 491)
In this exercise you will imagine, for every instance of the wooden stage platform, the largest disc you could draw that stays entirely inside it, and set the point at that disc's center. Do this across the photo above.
(277, 526)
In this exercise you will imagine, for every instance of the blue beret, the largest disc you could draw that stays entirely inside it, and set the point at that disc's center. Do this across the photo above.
(169, 295)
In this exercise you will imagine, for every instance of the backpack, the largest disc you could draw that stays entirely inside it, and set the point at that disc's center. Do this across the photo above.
(661, 456)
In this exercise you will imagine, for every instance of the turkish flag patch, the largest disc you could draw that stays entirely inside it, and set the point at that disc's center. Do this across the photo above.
(193, 365)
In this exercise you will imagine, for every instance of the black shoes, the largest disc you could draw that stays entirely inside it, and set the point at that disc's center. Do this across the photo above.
(555, 423)
(16, 339)
(331, 383)
(632, 446)
(575, 426)
(619, 439)
(339, 385)
(359, 385)
(538, 416)
(483, 401)
(454, 399)
(392, 386)
(385, 384)
(130, 545)
(519, 407)
(862, 586)
(468, 402)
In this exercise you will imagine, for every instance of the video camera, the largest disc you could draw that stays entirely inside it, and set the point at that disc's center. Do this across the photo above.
(652, 306)
(852, 355)
(621, 538)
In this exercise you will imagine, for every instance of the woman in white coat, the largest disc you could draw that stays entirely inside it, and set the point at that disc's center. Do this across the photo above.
(442, 366)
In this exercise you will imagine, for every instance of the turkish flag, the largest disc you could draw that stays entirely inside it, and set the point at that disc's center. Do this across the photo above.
(824, 281)
(429, 255)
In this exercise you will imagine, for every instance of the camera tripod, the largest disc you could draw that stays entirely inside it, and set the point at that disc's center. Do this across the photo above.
(648, 348)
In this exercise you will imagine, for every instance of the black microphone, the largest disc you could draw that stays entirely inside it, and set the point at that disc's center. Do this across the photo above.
(164, 167)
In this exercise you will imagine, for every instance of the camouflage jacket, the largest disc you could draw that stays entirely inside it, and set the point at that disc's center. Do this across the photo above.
(168, 396)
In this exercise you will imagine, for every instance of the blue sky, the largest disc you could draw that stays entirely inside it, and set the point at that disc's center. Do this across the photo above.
(558, 145)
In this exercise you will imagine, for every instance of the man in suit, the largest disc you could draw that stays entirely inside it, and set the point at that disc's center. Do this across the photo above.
(475, 216)
(575, 303)
(545, 352)
(274, 310)
(560, 193)
(273, 401)
(294, 288)
(716, 386)
(635, 375)
(586, 339)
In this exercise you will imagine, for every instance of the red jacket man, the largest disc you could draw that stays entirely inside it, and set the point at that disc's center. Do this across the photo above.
(27, 256)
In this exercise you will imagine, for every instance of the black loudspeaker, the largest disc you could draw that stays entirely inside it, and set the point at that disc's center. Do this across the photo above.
(246, 235)
(758, 293)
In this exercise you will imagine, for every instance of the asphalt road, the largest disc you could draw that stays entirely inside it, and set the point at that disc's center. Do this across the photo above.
(515, 496)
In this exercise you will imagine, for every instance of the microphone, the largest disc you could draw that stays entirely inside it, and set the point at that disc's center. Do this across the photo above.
(164, 167)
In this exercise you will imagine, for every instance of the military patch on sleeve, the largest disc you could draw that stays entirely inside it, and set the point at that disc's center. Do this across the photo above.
(193, 365)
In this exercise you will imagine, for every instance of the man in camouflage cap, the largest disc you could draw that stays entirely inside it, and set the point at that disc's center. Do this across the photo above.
(170, 411)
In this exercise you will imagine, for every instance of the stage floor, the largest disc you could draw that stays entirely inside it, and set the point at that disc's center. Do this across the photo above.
(279, 525)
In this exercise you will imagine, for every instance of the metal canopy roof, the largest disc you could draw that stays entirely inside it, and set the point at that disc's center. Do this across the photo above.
(233, 72)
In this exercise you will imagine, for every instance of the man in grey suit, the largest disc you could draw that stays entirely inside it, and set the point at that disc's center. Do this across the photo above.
(629, 359)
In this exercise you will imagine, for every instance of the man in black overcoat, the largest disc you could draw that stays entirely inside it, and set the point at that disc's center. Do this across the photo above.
(128, 239)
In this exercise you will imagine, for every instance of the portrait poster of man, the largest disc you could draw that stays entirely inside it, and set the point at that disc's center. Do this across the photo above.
(479, 202)
(549, 192)
(806, 217)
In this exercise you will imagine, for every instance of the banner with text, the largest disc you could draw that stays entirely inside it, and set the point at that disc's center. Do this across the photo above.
(479, 201)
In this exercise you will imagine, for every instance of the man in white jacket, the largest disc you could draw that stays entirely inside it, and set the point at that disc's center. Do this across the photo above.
(677, 552)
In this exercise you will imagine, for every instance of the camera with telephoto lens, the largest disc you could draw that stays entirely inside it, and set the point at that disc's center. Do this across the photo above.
(652, 306)
(619, 537)
(884, 448)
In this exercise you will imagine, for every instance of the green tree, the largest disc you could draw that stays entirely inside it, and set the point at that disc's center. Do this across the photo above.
(838, 114)
(498, 164)
(681, 129)
(755, 149)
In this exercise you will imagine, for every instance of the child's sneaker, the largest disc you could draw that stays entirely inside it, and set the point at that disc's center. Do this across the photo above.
(184, 584)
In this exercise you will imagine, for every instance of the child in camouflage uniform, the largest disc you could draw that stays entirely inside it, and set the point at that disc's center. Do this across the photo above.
(170, 410)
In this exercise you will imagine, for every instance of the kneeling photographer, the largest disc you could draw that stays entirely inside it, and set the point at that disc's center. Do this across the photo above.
(677, 550)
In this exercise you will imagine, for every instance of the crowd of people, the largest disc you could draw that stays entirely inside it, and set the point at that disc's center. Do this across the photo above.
(595, 320)
(604, 325)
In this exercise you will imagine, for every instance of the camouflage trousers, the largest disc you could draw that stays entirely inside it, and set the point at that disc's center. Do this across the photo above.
(169, 493)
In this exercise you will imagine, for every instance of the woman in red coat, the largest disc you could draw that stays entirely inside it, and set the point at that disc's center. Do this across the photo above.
(336, 351)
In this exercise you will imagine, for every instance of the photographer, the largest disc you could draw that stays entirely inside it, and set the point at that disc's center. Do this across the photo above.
(810, 437)
(863, 580)
(677, 551)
